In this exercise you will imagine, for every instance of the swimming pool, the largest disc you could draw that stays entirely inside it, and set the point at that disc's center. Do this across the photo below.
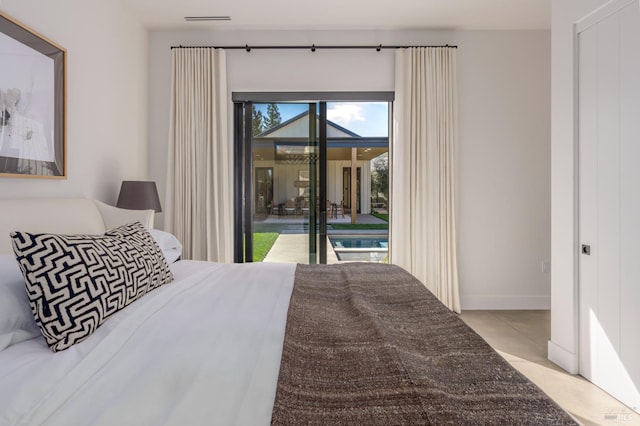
(360, 248)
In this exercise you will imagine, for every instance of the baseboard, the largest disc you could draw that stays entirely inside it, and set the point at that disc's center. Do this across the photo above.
(562, 357)
(469, 302)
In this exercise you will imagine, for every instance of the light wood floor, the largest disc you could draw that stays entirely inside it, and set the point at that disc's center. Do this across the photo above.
(521, 338)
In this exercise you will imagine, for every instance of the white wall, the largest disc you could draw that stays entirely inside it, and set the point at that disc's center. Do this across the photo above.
(504, 233)
(564, 309)
(504, 194)
(106, 96)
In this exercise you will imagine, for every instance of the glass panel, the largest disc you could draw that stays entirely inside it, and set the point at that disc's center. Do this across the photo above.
(285, 174)
(357, 157)
(291, 213)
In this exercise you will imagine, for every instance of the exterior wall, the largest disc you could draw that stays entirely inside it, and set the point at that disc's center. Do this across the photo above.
(284, 176)
(334, 187)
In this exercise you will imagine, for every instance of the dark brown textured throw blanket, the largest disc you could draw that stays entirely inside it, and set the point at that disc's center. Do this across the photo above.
(367, 344)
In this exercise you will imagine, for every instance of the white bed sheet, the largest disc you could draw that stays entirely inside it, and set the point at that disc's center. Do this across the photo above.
(204, 349)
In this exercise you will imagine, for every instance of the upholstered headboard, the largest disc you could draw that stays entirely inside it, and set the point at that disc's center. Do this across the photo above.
(63, 216)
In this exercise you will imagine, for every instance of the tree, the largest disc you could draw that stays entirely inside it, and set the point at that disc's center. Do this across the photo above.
(273, 117)
(380, 176)
(257, 122)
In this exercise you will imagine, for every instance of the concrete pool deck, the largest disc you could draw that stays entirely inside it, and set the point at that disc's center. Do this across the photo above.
(292, 245)
(294, 248)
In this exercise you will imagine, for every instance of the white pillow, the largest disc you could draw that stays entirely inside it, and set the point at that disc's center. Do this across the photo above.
(76, 282)
(17, 323)
(169, 244)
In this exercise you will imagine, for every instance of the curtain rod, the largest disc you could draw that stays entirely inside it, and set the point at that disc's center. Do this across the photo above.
(313, 47)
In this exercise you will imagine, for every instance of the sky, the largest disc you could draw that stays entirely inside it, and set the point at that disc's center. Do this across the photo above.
(363, 118)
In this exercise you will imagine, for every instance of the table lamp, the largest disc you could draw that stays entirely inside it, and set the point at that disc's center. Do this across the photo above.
(139, 195)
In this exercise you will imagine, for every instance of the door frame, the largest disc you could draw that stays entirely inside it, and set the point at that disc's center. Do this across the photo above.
(245, 192)
(269, 197)
(346, 191)
(243, 173)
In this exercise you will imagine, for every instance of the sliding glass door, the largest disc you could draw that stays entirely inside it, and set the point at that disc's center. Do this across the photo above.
(286, 160)
(294, 173)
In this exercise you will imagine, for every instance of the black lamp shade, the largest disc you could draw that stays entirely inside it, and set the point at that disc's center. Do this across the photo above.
(139, 195)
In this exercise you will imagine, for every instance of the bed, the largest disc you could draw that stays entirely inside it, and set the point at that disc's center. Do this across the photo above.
(253, 344)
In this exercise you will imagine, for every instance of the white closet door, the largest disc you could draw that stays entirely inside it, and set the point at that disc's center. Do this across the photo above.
(630, 197)
(588, 196)
(609, 200)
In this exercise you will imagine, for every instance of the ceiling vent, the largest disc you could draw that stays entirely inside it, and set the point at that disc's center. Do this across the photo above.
(206, 18)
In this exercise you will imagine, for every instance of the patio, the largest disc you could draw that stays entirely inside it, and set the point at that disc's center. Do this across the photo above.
(361, 219)
(282, 159)
(305, 219)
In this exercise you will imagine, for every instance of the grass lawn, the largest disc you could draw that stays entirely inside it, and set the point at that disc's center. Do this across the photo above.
(262, 243)
(383, 216)
(259, 227)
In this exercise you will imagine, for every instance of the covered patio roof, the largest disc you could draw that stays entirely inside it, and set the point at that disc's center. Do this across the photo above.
(290, 141)
(279, 149)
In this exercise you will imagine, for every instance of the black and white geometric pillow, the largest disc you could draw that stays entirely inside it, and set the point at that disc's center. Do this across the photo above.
(75, 282)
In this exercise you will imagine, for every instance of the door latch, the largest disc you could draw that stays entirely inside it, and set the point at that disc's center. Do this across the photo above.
(586, 249)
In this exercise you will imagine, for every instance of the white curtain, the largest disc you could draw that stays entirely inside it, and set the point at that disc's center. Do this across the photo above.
(423, 225)
(199, 199)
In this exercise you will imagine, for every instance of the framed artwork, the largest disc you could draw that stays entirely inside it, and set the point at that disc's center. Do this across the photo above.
(32, 103)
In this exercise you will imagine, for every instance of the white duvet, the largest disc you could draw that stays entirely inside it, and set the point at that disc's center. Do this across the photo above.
(204, 349)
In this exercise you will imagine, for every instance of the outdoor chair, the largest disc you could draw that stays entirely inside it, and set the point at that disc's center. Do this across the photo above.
(331, 210)
(276, 209)
(289, 207)
(305, 208)
(299, 202)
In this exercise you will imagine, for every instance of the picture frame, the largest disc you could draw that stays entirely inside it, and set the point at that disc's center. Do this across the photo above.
(32, 103)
